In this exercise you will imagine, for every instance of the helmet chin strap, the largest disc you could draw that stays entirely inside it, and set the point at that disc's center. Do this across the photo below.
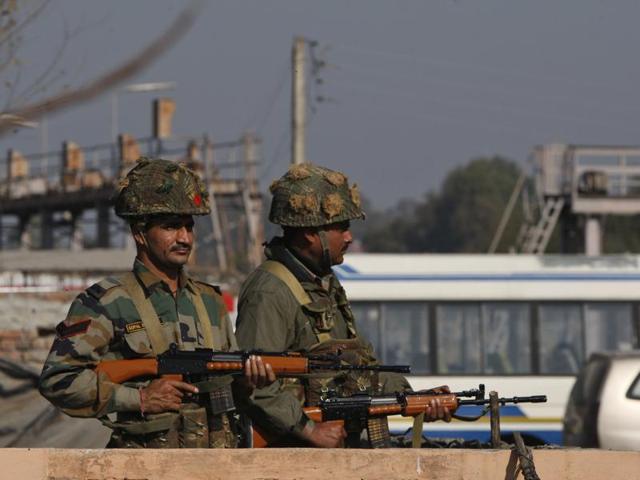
(325, 263)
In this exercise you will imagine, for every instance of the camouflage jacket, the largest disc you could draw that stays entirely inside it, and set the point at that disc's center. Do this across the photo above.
(270, 318)
(103, 324)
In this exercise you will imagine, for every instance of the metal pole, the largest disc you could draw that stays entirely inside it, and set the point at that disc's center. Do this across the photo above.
(506, 215)
(216, 228)
(593, 237)
(494, 409)
(298, 103)
(114, 116)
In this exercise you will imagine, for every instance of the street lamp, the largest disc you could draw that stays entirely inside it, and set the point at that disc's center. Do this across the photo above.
(134, 88)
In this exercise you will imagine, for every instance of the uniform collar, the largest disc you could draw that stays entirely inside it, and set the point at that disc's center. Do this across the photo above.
(151, 281)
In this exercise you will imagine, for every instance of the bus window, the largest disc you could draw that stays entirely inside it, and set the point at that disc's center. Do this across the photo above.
(459, 340)
(507, 338)
(560, 333)
(608, 326)
(367, 315)
(405, 335)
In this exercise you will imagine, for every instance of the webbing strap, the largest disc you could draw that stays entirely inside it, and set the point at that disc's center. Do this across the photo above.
(159, 422)
(416, 440)
(147, 313)
(205, 322)
(323, 336)
(283, 273)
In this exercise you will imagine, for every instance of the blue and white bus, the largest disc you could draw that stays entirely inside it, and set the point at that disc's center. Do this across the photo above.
(520, 324)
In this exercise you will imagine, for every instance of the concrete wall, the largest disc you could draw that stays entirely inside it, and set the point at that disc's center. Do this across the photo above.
(307, 464)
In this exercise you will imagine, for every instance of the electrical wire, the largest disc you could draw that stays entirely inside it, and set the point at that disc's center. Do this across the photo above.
(412, 58)
(466, 104)
(358, 70)
(271, 102)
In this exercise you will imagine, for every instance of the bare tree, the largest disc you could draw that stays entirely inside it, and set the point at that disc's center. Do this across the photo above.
(13, 21)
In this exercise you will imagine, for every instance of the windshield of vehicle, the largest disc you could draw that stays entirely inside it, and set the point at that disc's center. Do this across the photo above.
(634, 390)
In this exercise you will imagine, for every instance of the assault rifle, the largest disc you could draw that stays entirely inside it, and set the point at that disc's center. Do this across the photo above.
(190, 365)
(355, 413)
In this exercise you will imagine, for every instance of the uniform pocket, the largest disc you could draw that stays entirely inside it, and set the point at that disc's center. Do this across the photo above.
(322, 314)
(138, 341)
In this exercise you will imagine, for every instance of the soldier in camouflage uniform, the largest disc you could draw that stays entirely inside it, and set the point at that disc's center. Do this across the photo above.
(294, 301)
(138, 315)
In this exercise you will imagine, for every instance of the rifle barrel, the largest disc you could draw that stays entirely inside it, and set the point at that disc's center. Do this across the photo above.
(504, 401)
(377, 368)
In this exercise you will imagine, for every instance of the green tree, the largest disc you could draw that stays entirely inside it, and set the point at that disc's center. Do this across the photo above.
(462, 217)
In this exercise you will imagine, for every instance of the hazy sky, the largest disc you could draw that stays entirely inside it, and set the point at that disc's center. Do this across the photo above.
(418, 87)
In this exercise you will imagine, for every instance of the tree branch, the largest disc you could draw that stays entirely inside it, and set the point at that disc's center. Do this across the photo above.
(137, 63)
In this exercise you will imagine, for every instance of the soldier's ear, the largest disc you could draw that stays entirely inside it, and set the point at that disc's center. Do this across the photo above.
(139, 235)
(310, 236)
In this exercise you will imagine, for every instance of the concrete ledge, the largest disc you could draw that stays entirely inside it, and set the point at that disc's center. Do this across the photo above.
(307, 464)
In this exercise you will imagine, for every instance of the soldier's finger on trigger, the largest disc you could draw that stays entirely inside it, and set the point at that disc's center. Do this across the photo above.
(271, 377)
(262, 372)
(253, 369)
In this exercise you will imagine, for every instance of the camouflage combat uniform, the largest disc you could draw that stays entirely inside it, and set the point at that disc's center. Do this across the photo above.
(106, 322)
(273, 317)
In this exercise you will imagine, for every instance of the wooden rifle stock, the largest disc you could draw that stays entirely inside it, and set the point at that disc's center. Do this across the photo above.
(119, 371)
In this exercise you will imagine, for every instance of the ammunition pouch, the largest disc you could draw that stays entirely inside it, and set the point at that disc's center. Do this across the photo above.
(209, 423)
(156, 431)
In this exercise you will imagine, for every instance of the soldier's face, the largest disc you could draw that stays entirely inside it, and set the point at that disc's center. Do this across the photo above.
(168, 241)
(339, 238)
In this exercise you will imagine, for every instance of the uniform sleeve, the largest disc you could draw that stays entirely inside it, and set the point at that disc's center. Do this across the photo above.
(68, 379)
(265, 322)
(227, 329)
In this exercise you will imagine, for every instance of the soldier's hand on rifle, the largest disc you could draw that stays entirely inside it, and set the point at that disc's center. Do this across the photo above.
(325, 435)
(436, 410)
(163, 395)
(257, 374)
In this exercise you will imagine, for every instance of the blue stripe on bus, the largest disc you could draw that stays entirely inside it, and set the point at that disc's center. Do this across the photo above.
(550, 437)
(475, 410)
(348, 273)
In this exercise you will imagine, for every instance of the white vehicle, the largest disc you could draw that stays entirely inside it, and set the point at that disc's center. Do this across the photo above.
(604, 405)
(520, 324)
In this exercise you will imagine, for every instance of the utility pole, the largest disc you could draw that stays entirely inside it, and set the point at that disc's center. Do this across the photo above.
(298, 103)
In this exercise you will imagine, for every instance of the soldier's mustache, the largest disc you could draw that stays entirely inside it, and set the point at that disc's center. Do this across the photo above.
(180, 246)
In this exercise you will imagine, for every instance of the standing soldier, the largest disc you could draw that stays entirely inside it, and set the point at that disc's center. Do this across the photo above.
(139, 314)
(294, 301)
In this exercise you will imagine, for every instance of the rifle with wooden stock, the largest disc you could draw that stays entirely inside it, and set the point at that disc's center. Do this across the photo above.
(192, 365)
(354, 412)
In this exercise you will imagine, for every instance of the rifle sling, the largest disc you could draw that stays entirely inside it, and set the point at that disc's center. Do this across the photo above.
(281, 272)
(150, 318)
(205, 321)
(147, 313)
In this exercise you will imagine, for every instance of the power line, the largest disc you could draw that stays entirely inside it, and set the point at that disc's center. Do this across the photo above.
(271, 102)
(276, 154)
(412, 58)
(526, 112)
(501, 90)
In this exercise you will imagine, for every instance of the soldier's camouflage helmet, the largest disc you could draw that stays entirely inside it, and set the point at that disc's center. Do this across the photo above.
(156, 186)
(311, 196)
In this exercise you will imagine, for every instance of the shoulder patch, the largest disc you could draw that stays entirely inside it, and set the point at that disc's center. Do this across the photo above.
(97, 290)
(65, 330)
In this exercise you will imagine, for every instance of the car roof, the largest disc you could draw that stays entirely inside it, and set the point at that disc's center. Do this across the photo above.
(615, 355)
